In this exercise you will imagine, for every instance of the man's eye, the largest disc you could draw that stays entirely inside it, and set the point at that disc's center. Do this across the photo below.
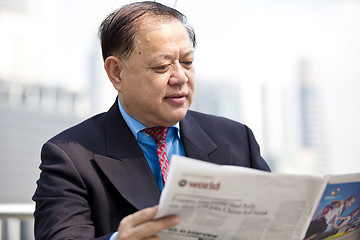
(187, 64)
(161, 67)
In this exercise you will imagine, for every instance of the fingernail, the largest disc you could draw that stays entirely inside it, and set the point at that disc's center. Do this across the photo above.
(175, 220)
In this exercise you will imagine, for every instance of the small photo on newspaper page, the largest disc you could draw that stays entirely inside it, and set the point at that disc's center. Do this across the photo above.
(337, 215)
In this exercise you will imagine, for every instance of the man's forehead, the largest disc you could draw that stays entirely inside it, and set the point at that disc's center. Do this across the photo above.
(151, 23)
(160, 45)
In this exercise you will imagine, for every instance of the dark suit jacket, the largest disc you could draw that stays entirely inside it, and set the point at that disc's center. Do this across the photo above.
(94, 174)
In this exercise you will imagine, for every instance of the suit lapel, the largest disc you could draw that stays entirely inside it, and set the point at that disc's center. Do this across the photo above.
(125, 165)
(199, 145)
(132, 179)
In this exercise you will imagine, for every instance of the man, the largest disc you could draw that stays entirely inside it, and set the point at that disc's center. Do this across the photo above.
(106, 170)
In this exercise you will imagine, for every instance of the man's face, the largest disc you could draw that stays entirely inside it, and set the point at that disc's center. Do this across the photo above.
(157, 79)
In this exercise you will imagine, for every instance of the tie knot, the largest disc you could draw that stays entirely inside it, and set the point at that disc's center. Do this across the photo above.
(158, 133)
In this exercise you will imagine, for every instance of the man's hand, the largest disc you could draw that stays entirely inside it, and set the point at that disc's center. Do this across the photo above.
(141, 225)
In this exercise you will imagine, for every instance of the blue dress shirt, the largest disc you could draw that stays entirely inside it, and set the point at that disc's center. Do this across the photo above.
(148, 144)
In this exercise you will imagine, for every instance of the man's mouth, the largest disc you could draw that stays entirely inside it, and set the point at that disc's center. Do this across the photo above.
(177, 99)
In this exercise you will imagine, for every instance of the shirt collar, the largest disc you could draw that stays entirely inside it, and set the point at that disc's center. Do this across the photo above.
(135, 126)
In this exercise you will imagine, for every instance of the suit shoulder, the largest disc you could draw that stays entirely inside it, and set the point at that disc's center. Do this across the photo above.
(211, 120)
(216, 125)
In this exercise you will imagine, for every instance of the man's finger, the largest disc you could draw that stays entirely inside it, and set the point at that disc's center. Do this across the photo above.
(150, 228)
(139, 217)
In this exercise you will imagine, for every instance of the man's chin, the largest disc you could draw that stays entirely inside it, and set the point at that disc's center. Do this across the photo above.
(174, 117)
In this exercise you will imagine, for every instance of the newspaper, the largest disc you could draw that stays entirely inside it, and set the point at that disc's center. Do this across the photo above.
(230, 202)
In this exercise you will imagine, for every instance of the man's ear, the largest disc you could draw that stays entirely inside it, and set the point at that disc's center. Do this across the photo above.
(113, 68)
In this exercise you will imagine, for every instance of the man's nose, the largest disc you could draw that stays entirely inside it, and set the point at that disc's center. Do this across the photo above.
(178, 76)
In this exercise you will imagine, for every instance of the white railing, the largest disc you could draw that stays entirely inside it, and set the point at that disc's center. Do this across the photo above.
(16, 221)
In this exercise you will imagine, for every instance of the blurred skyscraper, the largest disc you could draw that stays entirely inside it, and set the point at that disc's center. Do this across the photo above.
(30, 115)
(218, 98)
(312, 132)
(31, 108)
(304, 145)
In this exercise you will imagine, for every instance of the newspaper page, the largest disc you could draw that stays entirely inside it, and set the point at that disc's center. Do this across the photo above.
(337, 215)
(228, 202)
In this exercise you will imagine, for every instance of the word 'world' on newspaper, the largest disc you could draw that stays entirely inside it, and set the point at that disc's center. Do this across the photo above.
(229, 202)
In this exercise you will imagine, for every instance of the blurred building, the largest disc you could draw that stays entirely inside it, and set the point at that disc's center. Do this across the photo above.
(218, 98)
(304, 145)
(312, 125)
(30, 115)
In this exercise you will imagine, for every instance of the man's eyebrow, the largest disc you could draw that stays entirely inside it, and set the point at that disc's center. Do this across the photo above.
(170, 57)
(161, 57)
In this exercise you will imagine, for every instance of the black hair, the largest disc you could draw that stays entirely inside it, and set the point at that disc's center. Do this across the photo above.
(118, 31)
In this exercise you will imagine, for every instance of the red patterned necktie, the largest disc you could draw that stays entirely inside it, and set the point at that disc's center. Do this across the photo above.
(159, 134)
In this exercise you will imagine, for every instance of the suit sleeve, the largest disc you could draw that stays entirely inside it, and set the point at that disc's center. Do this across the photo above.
(257, 161)
(62, 209)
